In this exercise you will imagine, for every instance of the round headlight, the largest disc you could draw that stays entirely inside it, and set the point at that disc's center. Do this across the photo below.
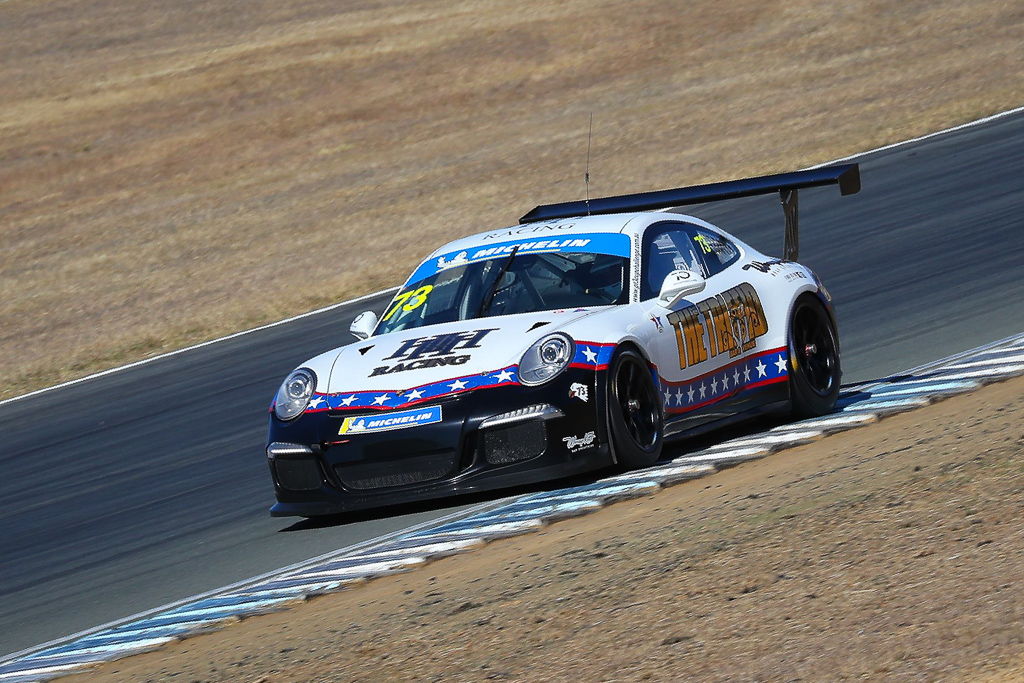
(545, 359)
(294, 394)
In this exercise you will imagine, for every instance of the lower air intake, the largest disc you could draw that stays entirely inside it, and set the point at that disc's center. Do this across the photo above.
(514, 443)
(381, 472)
(298, 474)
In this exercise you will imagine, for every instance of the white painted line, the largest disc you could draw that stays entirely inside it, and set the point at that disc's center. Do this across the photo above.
(929, 388)
(220, 610)
(1002, 360)
(435, 549)
(724, 457)
(27, 674)
(495, 530)
(998, 371)
(769, 439)
(613, 488)
(828, 422)
(896, 405)
(129, 646)
(369, 569)
(145, 361)
(300, 589)
(534, 508)
(670, 476)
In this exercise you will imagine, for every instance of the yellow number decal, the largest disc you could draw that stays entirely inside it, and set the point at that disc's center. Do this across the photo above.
(412, 299)
(703, 242)
(399, 300)
(419, 297)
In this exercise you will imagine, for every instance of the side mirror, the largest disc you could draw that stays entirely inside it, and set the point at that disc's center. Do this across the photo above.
(678, 284)
(362, 326)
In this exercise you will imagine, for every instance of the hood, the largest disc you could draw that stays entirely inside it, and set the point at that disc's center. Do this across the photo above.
(423, 355)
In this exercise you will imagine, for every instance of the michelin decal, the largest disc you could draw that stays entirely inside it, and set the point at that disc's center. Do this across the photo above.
(368, 424)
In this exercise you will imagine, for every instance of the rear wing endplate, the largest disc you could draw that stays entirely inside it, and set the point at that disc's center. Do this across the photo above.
(847, 176)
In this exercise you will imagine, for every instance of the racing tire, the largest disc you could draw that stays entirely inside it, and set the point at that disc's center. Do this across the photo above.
(635, 421)
(813, 359)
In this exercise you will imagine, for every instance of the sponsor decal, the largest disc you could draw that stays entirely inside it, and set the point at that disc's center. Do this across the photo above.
(776, 266)
(460, 259)
(732, 321)
(575, 444)
(657, 323)
(635, 275)
(615, 244)
(529, 229)
(433, 351)
(368, 424)
(580, 391)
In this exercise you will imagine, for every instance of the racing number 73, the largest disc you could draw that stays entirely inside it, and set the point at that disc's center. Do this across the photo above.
(412, 299)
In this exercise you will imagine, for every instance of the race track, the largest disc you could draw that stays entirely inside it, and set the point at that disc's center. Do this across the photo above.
(141, 487)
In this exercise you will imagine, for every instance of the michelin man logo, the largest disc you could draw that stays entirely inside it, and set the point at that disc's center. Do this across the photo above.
(460, 259)
(580, 391)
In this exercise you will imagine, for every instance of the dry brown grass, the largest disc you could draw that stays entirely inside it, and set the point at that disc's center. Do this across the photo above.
(173, 171)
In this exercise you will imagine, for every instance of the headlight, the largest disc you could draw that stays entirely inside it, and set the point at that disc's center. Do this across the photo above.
(545, 359)
(294, 394)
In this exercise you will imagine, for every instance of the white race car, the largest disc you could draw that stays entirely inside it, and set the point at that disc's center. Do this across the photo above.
(582, 338)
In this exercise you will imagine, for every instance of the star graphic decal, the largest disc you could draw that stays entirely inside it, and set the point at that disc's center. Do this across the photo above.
(736, 378)
(315, 403)
(714, 386)
(457, 384)
(679, 397)
(348, 401)
(413, 395)
(503, 376)
(379, 400)
(590, 354)
(703, 390)
(725, 381)
(689, 395)
(668, 397)
(780, 364)
(746, 373)
(761, 369)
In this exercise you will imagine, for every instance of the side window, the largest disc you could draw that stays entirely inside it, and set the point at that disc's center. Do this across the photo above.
(667, 247)
(716, 251)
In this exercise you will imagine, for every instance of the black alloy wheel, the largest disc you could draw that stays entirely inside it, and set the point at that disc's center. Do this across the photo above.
(813, 359)
(634, 411)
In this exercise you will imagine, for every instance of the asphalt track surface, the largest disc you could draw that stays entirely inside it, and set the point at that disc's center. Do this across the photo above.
(145, 486)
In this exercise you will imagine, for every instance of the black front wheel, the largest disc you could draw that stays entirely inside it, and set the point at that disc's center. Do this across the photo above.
(813, 359)
(634, 411)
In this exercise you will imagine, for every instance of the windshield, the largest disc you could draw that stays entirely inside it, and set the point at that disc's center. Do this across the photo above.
(512, 278)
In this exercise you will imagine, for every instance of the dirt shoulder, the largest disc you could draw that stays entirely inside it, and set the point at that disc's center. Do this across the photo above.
(892, 551)
(174, 171)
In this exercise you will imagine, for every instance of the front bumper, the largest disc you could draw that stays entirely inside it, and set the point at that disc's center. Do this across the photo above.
(318, 471)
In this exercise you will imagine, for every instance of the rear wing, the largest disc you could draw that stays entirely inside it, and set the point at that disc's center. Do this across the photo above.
(847, 176)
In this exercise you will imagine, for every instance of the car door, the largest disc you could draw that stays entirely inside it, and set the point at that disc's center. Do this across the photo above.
(701, 336)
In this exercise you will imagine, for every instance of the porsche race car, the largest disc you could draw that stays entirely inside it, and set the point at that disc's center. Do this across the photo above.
(584, 337)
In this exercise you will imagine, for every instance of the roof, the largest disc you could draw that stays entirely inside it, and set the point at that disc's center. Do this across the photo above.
(608, 223)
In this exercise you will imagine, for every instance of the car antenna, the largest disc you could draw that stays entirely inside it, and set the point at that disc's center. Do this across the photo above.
(586, 173)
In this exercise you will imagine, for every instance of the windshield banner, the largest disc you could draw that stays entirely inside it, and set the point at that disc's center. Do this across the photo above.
(612, 243)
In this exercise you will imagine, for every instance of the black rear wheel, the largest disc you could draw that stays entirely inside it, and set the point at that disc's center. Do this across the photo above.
(634, 411)
(813, 359)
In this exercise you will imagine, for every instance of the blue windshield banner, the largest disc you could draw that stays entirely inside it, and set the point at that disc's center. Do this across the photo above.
(611, 243)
